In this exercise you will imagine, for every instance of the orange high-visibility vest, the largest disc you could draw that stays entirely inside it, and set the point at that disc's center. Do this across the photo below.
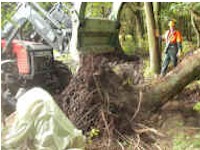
(174, 36)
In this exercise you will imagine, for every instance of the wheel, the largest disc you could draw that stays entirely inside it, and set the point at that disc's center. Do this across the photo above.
(9, 86)
(63, 75)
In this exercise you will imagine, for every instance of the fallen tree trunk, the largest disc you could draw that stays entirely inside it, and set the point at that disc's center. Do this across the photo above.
(99, 97)
(159, 91)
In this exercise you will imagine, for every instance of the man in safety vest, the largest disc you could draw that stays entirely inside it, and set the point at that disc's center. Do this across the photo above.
(173, 40)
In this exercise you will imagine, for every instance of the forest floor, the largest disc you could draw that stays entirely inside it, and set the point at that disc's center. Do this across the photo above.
(179, 122)
(175, 126)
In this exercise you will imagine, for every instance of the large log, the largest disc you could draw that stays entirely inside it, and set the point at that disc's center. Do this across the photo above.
(159, 91)
(98, 88)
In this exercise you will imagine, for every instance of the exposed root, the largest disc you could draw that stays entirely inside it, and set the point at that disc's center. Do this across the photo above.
(138, 107)
(97, 97)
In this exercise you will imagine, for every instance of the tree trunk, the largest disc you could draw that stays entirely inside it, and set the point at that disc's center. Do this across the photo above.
(156, 10)
(138, 26)
(138, 22)
(99, 87)
(197, 31)
(153, 43)
(161, 90)
(189, 29)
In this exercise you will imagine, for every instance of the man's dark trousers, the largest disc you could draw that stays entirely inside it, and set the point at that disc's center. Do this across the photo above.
(171, 54)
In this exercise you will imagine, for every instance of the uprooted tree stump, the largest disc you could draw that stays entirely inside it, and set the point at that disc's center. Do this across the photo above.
(106, 96)
(96, 96)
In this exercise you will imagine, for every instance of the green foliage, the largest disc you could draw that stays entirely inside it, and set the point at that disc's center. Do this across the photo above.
(147, 71)
(127, 19)
(46, 5)
(130, 47)
(197, 107)
(188, 46)
(98, 9)
(128, 81)
(184, 7)
(176, 10)
(7, 10)
(67, 60)
(94, 132)
(116, 69)
(186, 142)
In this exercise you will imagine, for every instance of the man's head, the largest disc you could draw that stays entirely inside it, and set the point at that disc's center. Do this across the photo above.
(171, 24)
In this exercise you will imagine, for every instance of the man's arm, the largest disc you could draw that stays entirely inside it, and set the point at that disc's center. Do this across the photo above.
(179, 41)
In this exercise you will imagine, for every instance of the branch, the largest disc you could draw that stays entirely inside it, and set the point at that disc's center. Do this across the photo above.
(194, 23)
(195, 14)
(134, 8)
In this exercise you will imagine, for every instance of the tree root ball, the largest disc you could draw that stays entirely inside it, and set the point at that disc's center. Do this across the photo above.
(97, 95)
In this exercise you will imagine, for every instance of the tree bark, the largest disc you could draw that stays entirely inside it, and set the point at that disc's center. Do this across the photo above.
(139, 26)
(153, 43)
(189, 29)
(161, 90)
(156, 10)
(196, 29)
(137, 20)
(99, 87)
(156, 92)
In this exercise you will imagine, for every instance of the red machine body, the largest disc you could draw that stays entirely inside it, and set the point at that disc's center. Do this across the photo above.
(26, 64)
(31, 57)
(21, 56)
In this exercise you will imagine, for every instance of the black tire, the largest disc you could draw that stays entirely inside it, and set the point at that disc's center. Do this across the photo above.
(63, 74)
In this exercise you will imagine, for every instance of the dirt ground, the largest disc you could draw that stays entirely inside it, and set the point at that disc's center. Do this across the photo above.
(180, 122)
(90, 102)
(93, 94)
(176, 126)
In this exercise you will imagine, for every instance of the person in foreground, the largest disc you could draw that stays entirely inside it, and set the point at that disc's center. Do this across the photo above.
(41, 125)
